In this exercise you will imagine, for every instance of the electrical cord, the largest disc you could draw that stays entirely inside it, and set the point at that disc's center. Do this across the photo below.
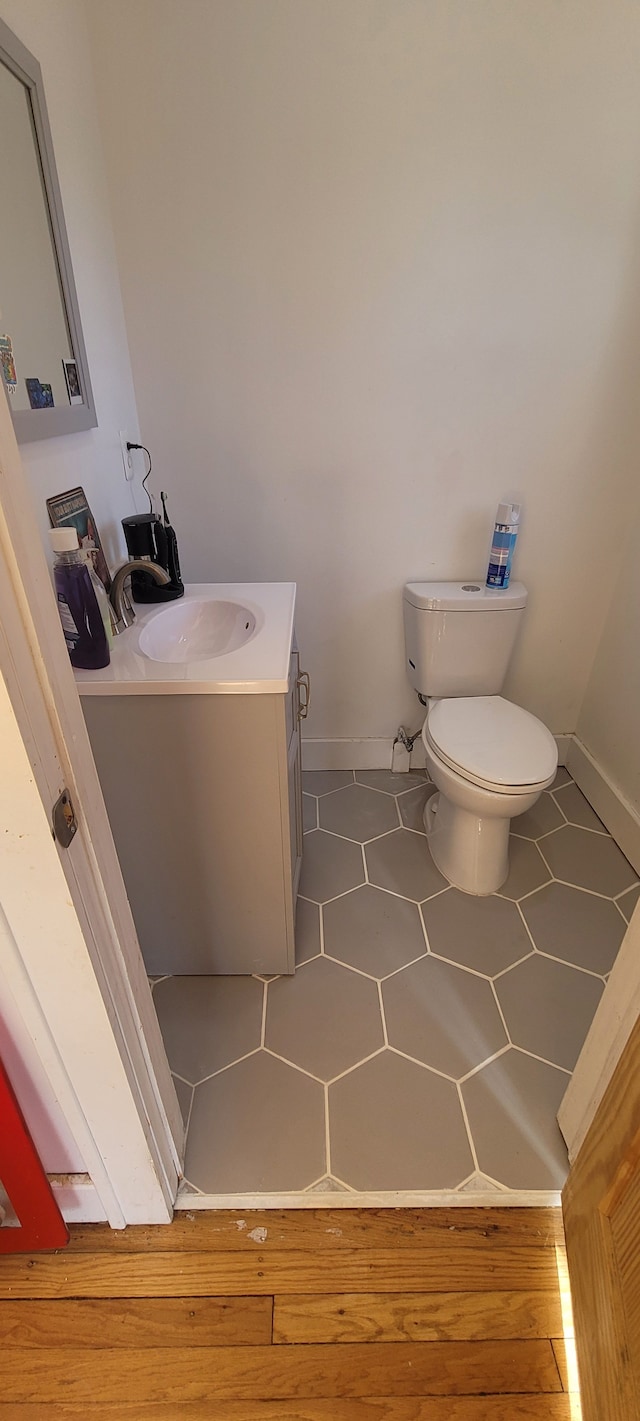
(144, 481)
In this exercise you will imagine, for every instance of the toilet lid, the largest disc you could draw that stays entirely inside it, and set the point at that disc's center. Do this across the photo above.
(492, 741)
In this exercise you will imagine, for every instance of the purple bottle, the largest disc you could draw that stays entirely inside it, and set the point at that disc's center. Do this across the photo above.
(82, 624)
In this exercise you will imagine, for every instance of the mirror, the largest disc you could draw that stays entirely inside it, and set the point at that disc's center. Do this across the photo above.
(42, 355)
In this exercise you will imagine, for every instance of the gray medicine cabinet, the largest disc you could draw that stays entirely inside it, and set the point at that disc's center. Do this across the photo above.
(43, 361)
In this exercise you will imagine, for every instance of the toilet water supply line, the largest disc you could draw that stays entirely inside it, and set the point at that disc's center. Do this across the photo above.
(403, 739)
(408, 740)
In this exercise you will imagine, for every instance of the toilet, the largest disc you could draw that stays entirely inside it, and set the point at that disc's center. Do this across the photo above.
(489, 759)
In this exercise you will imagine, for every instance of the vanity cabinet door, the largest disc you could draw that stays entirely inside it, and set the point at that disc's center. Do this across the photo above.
(292, 702)
(294, 775)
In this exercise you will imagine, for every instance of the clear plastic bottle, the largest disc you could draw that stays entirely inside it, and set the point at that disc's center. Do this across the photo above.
(82, 622)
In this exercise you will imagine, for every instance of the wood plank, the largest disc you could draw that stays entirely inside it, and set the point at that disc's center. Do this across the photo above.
(413, 1317)
(144, 1322)
(598, 1179)
(552, 1406)
(320, 1230)
(265, 1373)
(564, 1351)
(625, 1237)
(465, 1267)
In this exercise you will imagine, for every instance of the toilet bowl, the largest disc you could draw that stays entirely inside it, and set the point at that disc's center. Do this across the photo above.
(490, 761)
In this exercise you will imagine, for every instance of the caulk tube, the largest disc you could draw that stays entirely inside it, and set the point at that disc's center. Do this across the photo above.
(504, 540)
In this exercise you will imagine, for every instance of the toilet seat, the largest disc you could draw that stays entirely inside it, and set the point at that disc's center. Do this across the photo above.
(492, 743)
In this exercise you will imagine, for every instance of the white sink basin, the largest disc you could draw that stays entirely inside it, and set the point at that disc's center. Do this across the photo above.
(197, 629)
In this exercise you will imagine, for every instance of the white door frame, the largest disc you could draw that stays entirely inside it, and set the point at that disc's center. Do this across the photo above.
(124, 1112)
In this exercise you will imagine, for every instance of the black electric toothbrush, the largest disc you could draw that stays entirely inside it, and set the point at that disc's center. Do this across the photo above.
(172, 549)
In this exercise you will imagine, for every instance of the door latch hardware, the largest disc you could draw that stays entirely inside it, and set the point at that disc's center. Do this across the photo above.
(64, 820)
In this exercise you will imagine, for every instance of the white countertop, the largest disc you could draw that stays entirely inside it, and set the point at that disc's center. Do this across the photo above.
(260, 667)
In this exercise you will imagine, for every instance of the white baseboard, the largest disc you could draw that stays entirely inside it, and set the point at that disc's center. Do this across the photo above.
(77, 1199)
(615, 811)
(563, 742)
(376, 754)
(347, 754)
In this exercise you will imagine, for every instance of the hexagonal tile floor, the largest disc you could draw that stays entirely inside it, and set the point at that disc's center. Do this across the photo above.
(427, 1037)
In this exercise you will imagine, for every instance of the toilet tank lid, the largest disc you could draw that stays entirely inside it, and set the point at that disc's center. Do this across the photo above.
(467, 596)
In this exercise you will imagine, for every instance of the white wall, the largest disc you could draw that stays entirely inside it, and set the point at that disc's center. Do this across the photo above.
(57, 35)
(609, 720)
(380, 268)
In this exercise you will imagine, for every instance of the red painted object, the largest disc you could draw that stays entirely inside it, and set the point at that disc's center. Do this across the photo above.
(25, 1182)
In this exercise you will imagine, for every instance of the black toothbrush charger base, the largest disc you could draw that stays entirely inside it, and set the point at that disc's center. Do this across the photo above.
(148, 537)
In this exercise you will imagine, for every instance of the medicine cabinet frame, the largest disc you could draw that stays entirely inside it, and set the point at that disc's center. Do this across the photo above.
(60, 419)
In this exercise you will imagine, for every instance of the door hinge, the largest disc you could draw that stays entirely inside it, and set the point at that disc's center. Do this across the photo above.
(64, 820)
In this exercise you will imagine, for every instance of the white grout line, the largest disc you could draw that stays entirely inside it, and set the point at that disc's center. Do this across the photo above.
(384, 1019)
(462, 966)
(588, 829)
(324, 794)
(263, 1025)
(371, 976)
(496, 1184)
(349, 1187)
(562, 962)
(188, 1119)
(467, 1127)
(566, 883)
(552, 794)
(325, 901)
(624, 892)
(500, 1012)
(221, 1069)
(320, 907)
(327, 1134)
(616, 904)
(397, 1051)
(566, 1071)
(286, 1061)
(349, 967)
(364, 864)
(424, 927)
(503, 971)
(197, 1193)
(192, 1088)
(371, 1057)
(476, 1069)
(525, 925)
(420, 958)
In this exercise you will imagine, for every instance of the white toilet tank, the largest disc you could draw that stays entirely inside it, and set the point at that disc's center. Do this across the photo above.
(459, 636)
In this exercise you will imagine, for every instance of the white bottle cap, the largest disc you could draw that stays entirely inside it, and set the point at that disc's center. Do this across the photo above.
(64, 540)
(508, 513)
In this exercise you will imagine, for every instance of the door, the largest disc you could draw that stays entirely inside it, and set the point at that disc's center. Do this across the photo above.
(119, 1087)
(601, 1205)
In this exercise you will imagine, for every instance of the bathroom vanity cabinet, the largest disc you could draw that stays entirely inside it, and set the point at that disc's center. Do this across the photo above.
(204, 797)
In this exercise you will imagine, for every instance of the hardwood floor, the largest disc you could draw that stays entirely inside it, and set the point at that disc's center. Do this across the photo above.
(301, 1315)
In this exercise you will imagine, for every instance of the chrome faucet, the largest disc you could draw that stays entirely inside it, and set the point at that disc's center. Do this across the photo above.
(123, 613)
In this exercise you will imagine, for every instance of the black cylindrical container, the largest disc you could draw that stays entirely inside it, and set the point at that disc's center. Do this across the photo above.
(147, 537)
